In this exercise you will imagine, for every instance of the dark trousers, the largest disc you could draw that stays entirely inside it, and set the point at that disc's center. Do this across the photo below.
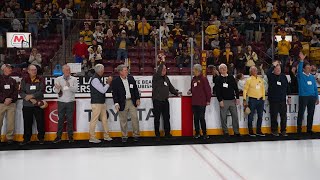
(309, 103)
(198, 118)
(65, 112)
(275, 109)
(28, 114)
(161, 108)
(255, 105)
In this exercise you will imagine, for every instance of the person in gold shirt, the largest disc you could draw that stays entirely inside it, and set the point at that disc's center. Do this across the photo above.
(144, 30)
(284, 47)
(254, 97)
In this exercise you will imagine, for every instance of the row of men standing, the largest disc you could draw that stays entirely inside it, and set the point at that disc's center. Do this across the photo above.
(127, 98)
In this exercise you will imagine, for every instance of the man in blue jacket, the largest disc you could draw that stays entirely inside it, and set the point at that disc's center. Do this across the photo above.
(308, 94)
(277, 93)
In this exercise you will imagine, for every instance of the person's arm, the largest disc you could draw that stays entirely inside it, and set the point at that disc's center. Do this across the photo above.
(41, 90)
(135, 89)
(172, 89)
(315, 89)
(74, 85)
(300, 67)
(115, 92)
(263, 91)
(236, 89)
(246, 88)
(14, 96)
(31, 58)
(217, 87)
(207, 90)
(159, 69)
(23, 93)
(269, 72)
(99, 87)
(57, 81)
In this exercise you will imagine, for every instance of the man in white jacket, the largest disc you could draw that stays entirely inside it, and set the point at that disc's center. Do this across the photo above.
(65, 86)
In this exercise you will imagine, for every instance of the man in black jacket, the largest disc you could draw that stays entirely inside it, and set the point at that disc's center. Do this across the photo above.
(126, 98)
(277, 93)
(161, 86)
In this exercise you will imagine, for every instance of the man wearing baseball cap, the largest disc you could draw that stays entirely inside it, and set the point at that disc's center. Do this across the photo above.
(8, 99)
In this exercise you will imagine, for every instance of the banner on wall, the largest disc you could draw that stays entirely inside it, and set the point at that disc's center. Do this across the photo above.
(51, 118)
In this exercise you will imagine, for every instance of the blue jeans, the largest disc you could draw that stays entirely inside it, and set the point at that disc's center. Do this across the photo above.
(33, 29)
(78, 59)
(122, 54)
(255, 105)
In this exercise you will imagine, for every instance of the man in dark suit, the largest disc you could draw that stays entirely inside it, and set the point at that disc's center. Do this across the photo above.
(126, 98)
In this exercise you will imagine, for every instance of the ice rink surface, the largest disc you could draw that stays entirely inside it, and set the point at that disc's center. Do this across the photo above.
(292, 160)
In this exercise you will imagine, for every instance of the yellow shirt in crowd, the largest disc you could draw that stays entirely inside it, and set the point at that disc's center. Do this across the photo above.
(122, 45)
(145, 30)
(212, 31)
(254, 88)
(284, 47)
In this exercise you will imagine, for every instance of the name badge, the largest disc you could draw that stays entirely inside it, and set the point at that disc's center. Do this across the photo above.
(65, 88)
(165, 83)
(33, 87)
(278, 83)
(257, 86)
(225, 85)
(131, 86)
(309, 83)
(195, 84)
(7, 86)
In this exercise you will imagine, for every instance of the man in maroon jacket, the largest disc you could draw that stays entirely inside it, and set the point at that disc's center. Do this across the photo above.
(201, 96)
(8, 99)
(80, 50)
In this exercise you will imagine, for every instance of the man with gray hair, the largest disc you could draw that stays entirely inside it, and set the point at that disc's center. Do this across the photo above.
(65, 86)
(126, 97)
(228, 96)
(254, 97)
(99, 109)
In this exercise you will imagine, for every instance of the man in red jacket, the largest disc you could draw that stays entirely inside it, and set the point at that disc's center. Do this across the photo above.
(80, 50)
(201, 96)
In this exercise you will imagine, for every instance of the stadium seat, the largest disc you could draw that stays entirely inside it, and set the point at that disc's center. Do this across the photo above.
(185, 71)
(173, 71)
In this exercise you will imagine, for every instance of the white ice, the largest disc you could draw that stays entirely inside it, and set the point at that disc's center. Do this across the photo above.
(292, 160)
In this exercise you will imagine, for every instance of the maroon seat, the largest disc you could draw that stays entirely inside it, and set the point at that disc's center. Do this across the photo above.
(118, 62)
(108, 71)
(133, 55)
(171, 62)
(147, 71)
(108, 63)
(134, 70)
(185, 71)
(173, 71)
(134, 62)
(16, 72)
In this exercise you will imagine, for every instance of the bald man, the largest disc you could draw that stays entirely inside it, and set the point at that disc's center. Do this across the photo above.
(32, 89)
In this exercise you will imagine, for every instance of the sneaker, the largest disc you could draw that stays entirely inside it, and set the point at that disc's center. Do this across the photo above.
(124, 139)
(25, 143)
(168, 136)
(252, 134)
(71, 140)
(237, 135)
(275, 134)
(95, 141)
(310, 133)
(226, 135)
(261, 134)
(135, 139)
(284, 134)
(108, 138)
(196, 136)
(41, 141)
(205, 136)
(57, 140)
